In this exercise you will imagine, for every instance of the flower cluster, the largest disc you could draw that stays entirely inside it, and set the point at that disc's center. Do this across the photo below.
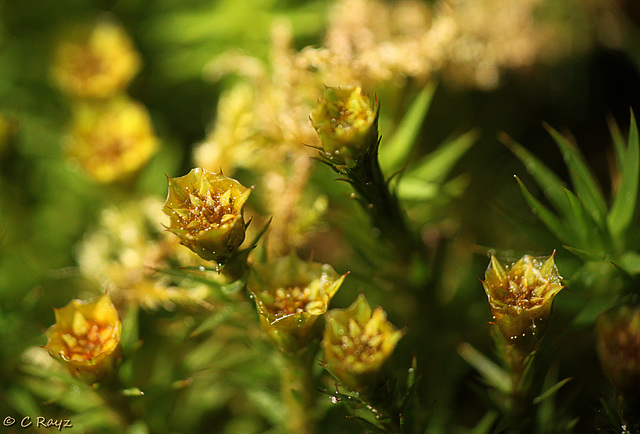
(110, 136)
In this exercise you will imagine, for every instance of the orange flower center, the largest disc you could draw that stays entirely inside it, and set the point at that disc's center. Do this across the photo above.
(624, 344)
(88, 345)
(524, 287)
(206, 211)
(522, 295)
(360, 346)
(109, 149)
(86, 64)
(291, 300)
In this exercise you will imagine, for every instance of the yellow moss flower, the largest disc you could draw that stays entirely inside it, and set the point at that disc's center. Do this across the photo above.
(520, 295)
(86, 338)
(346, 123)
(618, 338)
(95, 61)
(112, 140)
(205, 209)
(358, 343)
(291, 296)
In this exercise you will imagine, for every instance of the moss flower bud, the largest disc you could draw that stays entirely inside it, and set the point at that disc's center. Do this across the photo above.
(358, 343)
(95, 61)
(86, 338)
(346, 123)
(111, 141)
(205, 211)
(618, 338)
(520, 294)
(291, 295)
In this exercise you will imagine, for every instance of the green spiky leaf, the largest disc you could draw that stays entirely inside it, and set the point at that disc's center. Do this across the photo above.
(591, 235)
(549, 183)
(492, 374)
(583, 181)
(549, 392)
(414, 189)
(548, 218)
(396, 151)
(485, 424)
(619, 143)
(437, 165)
(624, 201)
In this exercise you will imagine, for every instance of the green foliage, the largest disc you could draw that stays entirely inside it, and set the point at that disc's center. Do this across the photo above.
(582, 220)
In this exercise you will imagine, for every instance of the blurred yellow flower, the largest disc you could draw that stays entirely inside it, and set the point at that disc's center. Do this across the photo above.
(95, 61)
(618, 339)
(8, 130)
(86, 338)
(111, 140)
(357, 344)
(291, 295)
(205, 209)
(126, 248)
(520, 295)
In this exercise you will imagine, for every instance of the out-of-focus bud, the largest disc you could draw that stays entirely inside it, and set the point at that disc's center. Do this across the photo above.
(346, 122)
(618, 338)
(112, 140)
(358, 343)
(95, 61)
(520, 295)
(205, 211)
(86, 338)
(8, 130)
(291, 295)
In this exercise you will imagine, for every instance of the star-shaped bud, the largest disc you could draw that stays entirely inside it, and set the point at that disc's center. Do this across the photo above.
(205, 209)
(346, 122)
(358, 342)
(86, 338)
(292, 295)
(520, 295)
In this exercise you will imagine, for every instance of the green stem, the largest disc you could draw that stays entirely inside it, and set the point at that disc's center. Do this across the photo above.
(382, 206)
(519, 402)
(235, 268)
(297, 392)
(386, 406)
